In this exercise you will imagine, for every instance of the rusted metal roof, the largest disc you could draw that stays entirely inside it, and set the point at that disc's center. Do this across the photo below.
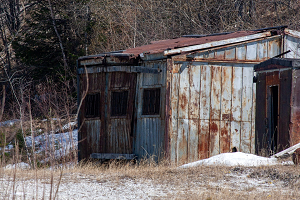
(162, 45)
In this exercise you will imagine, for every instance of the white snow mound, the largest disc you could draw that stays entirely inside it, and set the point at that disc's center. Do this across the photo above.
(234, 159)
(20, 165)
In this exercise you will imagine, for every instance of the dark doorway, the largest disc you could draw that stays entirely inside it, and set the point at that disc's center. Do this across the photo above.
(273, 118)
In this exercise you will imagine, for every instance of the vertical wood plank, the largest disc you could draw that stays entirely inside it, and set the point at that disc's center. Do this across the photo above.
(182, 141)
(215, 101)
(241, 52)
(184, 93)
(247, 93)
(193, 140)
(235, 135)
(225, 137)
(203, 139)
(245, 139)
(262, 50)
(205, 91)
(214, 143)
(226, 93)
(237, 74)
(174, 117)
(194, 84)
(253, 117)
(251, 51)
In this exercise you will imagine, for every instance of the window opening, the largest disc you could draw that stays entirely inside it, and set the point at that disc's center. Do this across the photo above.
(119, 103)
(151, 101)
(92, 105)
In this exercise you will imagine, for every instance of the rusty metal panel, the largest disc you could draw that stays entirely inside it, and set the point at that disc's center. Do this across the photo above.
(245, 145)
(241, 52)
(220, 54)
(214, 137)
(174, 116)
(230, 53)
(285, 88)
(292, 43)
(251, 51)
(215, 104)
(235, 135)
(203, 144)
(184, 93)
(205, 91)
(274, 48)
(225, 137)
(262, 50)
(154, 79)
(93, 128)
(225, 109)
(194, 82)
(295, 108)
(193, 140)
(247, 94)
(182, 141)
(150, 137)
(226, 93)
(252, 149)
(237, 86)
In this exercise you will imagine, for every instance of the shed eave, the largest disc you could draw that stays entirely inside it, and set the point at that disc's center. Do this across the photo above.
(292, 33)
(216, 43)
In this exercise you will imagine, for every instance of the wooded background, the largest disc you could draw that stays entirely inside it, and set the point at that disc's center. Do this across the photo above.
(42, 39)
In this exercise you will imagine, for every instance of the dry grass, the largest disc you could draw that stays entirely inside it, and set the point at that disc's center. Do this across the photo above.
(215, 182)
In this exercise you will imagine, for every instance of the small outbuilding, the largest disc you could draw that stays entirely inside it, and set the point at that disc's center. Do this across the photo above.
(182, 99)
(277, 104)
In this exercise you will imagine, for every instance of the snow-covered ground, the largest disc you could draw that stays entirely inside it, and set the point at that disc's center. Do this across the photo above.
(236, 159)
(62, 143)
(225, 176)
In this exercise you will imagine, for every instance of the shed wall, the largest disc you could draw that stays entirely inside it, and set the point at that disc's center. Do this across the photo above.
(212, 103)
(149, 134)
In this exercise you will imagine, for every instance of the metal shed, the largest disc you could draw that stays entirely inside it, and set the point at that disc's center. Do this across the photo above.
(186, 99)
(277, 104)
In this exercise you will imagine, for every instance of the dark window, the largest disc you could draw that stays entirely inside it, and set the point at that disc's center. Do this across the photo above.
(119, 103)
(92, 105)
(151, 101)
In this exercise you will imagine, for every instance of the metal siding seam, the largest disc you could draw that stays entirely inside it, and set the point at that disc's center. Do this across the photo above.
(253, 117)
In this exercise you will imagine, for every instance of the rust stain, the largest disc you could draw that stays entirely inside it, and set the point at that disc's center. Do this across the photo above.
(214, 127)
(203, 144)
(184, 102)
(162, 45)
(225, 116)
(225, 139)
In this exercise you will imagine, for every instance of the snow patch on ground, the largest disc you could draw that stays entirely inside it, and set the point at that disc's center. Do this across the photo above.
(234, 159)
(20, 165)
(62, 143)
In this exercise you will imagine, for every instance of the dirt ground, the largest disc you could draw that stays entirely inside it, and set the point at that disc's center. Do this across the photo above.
(150, 181)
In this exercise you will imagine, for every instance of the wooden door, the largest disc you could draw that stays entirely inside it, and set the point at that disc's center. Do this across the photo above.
(119, 112)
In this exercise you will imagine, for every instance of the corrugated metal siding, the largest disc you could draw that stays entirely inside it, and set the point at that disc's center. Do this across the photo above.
(211, 113)
(91, 132)
(259, 50)
(213, 105)
(150, 129)
(295, 108)
(292, 43)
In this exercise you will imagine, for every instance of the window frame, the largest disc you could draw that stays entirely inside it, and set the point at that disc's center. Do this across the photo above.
(96, 115)
(143, 101)
(111, 104)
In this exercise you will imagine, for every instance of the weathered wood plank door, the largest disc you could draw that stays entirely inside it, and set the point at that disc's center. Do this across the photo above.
(119, 112)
